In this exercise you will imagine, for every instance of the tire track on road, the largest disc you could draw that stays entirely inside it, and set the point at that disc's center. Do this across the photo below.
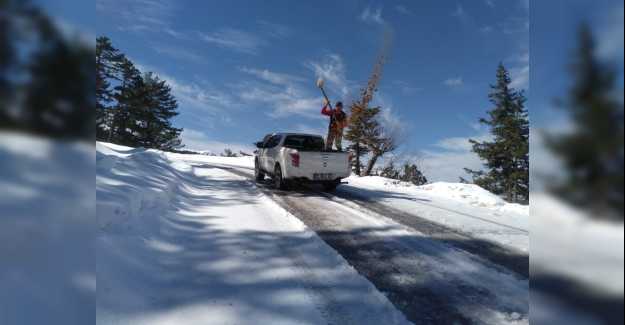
(408, 275)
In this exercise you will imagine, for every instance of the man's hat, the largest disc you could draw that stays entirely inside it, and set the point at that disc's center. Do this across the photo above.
(339, 104)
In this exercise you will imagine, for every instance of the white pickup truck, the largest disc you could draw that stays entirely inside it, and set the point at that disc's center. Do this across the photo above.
(296, 157)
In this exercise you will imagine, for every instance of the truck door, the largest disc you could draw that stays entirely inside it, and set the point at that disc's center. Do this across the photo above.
(262, 154)
(271, 152)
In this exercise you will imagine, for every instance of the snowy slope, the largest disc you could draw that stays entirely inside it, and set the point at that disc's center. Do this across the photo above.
(582, 248)
(184, 242)
(47, 266)
(464, 207)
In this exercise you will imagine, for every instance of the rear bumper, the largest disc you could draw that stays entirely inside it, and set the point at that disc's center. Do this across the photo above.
(299, 175)
(310, 181)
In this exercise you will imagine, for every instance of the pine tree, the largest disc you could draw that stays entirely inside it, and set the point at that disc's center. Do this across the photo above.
(507, 155)
(159, 107)
(593, 152)
(362, 122)
(413, 174)
(6, 60)
(60, 94)
(228, 153)
(390, 171)
(143, 104)
(362, 117)
(379, 142)
(130, 103)
(107, 60)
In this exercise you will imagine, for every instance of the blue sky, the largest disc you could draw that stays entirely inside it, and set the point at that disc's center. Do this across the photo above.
(242, 69)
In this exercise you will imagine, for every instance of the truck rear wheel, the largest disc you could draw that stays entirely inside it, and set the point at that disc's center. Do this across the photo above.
(331, 186)
(259, 175)
(278, 181)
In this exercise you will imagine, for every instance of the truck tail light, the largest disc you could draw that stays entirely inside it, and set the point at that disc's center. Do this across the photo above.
(294, 159)
(350, 157)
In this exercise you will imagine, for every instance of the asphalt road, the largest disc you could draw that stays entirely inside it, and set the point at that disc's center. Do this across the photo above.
(433, 274)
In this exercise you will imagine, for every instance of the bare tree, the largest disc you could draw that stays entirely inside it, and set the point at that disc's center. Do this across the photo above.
(362, 123)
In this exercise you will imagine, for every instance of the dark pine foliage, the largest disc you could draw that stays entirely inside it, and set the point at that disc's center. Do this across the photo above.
(413, 174)
(107, 64)
(46, 76)
(593, 151)
(133, 109)
(506, 156)
(6, 60)
(410, 173)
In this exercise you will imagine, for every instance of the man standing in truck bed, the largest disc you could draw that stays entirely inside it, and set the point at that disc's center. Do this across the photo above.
(338, 121)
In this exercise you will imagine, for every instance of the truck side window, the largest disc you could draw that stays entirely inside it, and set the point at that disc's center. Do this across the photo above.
(273, 141)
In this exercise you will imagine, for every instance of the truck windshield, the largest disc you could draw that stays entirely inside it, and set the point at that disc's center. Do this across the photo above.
(304, 142)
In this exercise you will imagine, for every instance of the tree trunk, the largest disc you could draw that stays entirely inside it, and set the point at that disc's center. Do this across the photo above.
(371, 163)
(358, 158)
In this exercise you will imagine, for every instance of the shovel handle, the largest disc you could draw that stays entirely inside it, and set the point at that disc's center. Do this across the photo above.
(326, 96)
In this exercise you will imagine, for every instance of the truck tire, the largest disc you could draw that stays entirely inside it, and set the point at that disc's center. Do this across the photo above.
(259, 175)
(278, 181)
(331, 186)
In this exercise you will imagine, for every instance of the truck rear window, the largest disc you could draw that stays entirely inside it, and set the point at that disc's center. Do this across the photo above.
(304, 142)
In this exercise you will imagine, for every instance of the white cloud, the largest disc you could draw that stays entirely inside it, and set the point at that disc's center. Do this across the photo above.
(370, 15)
(200, 141)
(448, 166)
(524, 57)
(447, 161)
(139, 15)
(283, 102)
(486, 29)
(332, 70)
(460, 143)
(610, 35)
(459, 12)
(273, 77)
(520, 77)
(406, 88)
(392, 124)
(321, 129)
(199, 96)
(282, 93)
(179, 53)
(275, 30)
(454, 82)
(193, 94)
(490, 3)
(403, 10)
(234, 39)
(516, 25)
(177, 34)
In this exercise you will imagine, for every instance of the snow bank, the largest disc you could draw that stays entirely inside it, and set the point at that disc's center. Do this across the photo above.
(568, 242)
(470, 194)
(465, 207)
(243, 162)
(47, 268)
(182, 241)
(120, 202)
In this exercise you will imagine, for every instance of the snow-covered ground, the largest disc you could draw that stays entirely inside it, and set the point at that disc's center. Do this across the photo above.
(179, 242)
(582, 248)
(465, 207)
(47, 231)
(449, 267)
